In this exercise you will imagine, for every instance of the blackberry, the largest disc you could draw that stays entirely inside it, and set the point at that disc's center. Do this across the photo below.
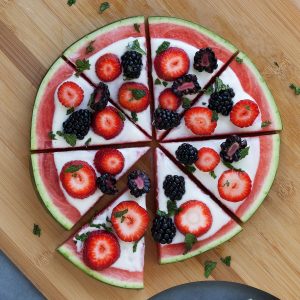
(78, 123)
(107, 184)
(163, 229)
(186, 154)
(100, 97)
(165, 119)
(221, 101)
(132, 64)
(186, 85)
(230, 149)
(205, 60)
(139, 183)
(174, 187)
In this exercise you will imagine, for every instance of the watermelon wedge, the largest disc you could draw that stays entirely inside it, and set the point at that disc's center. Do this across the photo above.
(127, 271)
(223, 227)
(247, 84)
(115, 38)
(47, 167)
(189, 37)
(260, 164)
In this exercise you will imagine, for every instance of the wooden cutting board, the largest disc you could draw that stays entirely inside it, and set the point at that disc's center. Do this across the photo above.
(34, 33)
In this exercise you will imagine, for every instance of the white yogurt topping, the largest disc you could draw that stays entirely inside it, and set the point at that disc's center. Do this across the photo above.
(248, 164)
(128, 260)
(193, 192)
(131, 155)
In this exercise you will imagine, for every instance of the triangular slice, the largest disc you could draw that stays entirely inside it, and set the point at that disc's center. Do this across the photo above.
(260, 165)
(65, 206)
(254, 109)
(222, 226)
(50, 111)
(103, 49)
(167, 34)
(127, 271)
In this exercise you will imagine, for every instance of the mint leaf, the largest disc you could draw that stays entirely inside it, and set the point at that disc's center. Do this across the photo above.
(230, 166)
(135, 246)
(247, 107)
(138, 94)
(163, 47)
(209, 266)
(87, 142)
(209, 90)
(161, 213)
(137, 27)
(120, 214)
(227, 183)
(51, 135)
(189, 240)
(90, 48)
(220, 86)
(71, 2)
(239, 60)
(82, 65)
(134, 116)
(103, 6)
(191, 169)
(165, 83)
(135, 46)
(295, 88)
(226, 260)
(215, 116)
(82, 237)
(157, 81)
(36, 230)
(73, 168)
(122, 116)
(244, 152)
(70, 138)
(265, 124)
(70, 110)
(172, 208)
(213, 174)
(186, 103)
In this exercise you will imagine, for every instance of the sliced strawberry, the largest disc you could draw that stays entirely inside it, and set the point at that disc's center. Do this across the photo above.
(134, 96)
(107, 122)
(70, 94)
(194, 217)
(234, 185)
(100, 250)
(199, 120)
(108, 67)
(244, 113)
(109, 161)
(208, 159)
(168, 100)
(78, 179)
(171, 64)
(129, 220)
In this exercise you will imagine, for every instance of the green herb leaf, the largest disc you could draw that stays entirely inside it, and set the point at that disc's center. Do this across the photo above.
(157, 81)
(137, 27)
(172, 208)
(215, 116)
(87, 142)
(122, 116)
(189, 240)
(90, 48)
(51, 135)
(190, 168)
(239, 60)
(103, 6)
(209, 90)
(186, 103)
(135, 246)
(213, 174)
(230, 166)
(134, 116)
(209, 266)
(82, 237)
(164, 83)
(226, 260)
(135, 46)
(220, 86)
(247, 107)
(36, 230)
(70, 139)
(70, 110)
(295, 88)
(71, 2)
(138, 94)
(265, 124)
(82, 65)
(163, 47)
(59, 133)
(161, 213)
(227, 183)
(73, 168)
(120, 214)
(244, 152)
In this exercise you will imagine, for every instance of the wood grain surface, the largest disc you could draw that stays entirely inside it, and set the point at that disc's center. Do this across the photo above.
(34, 33)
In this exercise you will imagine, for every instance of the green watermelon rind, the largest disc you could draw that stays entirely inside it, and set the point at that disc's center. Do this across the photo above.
(226, 44)
(67, 253)
(268, 180)
(38, 98)
(91, 36)
(45, 198)
(275, 113)
(234, 231)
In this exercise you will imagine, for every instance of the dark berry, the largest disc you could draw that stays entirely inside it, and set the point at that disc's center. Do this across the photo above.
(186, 154)
(100, 97)
(221, 101)
(205, 60)
(186, 85)
(132, 64)
(165, 119)
(230, 149)
(163, 229)
(174, 187)
(139, 183)
(107, 184)
(78, 123)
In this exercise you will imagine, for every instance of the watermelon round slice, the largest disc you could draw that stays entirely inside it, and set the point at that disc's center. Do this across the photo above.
(128, 270)
(66, 209)
(260, 164)
(223, 226)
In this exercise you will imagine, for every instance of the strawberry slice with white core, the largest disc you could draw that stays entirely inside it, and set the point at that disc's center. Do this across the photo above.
(208, 159)
(168, 100)
(130, 221)
(234, 185)
(109, 161)
(193, 217)
(70, 94)
(101, 249)
(108, 67)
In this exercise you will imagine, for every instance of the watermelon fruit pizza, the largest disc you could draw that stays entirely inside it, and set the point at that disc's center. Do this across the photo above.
(215, 127)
